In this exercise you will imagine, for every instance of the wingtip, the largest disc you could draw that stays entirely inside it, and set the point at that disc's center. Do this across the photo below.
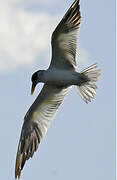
(19, 162)
(18, 167)
(28, 144)
(17, 176)
(76, 1)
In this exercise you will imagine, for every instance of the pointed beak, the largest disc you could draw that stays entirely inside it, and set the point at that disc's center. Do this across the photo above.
(33, 88)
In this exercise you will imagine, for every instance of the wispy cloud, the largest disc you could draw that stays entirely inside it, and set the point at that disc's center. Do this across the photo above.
(25, 34)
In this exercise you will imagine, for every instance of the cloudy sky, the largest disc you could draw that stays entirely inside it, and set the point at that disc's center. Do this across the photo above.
(80, 143)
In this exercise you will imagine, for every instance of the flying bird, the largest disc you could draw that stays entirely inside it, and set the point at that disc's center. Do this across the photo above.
(58, 78)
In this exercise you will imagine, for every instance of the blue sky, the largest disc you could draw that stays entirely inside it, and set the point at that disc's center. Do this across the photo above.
(80, 144)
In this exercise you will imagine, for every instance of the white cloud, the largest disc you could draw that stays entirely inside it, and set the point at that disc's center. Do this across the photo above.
(41, 2)
(23, 35)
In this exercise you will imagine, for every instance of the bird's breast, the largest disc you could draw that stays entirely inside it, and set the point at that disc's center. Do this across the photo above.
(61, 77)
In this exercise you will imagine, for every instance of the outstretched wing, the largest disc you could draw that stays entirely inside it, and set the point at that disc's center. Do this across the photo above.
(36, 123)
(64, 38)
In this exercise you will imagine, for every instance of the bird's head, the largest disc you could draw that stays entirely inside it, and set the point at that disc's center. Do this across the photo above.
(36, 78)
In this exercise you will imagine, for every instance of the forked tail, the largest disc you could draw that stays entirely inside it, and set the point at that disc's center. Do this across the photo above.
(87, 90)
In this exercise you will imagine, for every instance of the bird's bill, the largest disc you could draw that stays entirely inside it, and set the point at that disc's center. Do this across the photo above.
(33, 88)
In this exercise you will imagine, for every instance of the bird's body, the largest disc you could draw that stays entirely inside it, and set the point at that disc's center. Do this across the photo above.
(58, 78)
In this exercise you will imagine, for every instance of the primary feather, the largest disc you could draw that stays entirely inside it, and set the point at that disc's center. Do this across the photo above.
(36, 123)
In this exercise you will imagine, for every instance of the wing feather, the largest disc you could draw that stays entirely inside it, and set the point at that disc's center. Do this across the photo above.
(36, 123)
(64, 38)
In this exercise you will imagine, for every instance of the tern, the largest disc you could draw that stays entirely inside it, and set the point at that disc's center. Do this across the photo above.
(58, 78)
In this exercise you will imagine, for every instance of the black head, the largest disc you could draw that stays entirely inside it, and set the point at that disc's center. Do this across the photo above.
(37, 75)
(36, 78)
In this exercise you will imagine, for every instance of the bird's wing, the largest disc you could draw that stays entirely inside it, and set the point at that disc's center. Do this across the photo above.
(64, 38)
(36, 123)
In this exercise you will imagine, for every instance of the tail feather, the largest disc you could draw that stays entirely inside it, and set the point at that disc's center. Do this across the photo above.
(87, 90)
(92, 67)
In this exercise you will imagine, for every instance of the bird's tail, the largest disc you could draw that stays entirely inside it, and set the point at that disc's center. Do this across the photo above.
(87, 90)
